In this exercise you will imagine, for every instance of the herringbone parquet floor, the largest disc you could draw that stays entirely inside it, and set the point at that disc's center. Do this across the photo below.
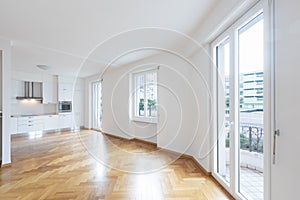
(57, 166)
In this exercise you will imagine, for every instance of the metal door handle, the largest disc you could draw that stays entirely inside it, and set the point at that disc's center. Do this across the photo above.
(276, 133)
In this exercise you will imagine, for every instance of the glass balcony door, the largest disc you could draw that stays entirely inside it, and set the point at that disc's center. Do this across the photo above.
(223, 106)
(97, 105)
(239, 105)
(251, 112)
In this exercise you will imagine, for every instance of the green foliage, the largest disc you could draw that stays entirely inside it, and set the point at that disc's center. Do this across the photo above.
(227, 102)
(245, 143)
(151, 105)
(141, 105)
(227, 142)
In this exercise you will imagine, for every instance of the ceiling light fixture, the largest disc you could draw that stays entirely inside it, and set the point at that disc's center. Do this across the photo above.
(43, 67)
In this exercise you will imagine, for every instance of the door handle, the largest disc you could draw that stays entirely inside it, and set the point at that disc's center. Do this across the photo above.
(275, 135)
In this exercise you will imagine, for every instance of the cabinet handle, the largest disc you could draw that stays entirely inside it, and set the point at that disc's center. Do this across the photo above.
(276, 134)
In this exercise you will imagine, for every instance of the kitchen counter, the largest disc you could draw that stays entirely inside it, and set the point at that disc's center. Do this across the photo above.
(41, 122)
(32, 115)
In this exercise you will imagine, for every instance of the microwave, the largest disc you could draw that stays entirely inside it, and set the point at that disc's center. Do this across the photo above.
(64, 106)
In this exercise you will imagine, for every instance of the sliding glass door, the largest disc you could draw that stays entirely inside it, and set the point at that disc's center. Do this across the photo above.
(239, 84)
(97, 105)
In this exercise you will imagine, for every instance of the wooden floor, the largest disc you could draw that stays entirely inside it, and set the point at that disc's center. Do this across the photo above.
(58, 166)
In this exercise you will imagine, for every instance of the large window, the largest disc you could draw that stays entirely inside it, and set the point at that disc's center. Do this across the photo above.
(145, 96)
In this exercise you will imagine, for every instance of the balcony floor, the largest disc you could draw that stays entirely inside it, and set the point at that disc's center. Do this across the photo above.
(252, 183)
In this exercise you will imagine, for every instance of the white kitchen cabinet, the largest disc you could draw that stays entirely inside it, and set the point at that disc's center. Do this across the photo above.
(65, 88)
(78, 103)
(17, 89)
(65, 91)
(65, 120)
(72, 89)
(23, 128)
(41, 123)
(13, 125)
(77, 121)
(51, 122)
(50, 90)
(29, 124)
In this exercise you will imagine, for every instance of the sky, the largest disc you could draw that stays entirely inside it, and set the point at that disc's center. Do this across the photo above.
(251, 49)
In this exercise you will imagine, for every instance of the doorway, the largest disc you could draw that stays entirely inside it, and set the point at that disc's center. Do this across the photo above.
(97, 105)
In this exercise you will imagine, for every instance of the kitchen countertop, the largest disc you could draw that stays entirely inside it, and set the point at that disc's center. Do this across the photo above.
(32, 115)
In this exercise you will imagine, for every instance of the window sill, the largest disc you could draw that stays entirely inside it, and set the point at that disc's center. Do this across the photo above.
(145, 120)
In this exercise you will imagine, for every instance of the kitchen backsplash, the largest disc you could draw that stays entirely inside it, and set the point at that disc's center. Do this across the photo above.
(27, 108)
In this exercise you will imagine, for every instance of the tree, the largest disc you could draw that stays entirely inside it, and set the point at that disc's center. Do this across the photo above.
(151, 105)
(141, 106)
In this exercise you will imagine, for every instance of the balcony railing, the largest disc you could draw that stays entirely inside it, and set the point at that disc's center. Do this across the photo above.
(251, 137)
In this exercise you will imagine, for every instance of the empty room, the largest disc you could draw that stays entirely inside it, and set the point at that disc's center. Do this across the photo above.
(140, 99)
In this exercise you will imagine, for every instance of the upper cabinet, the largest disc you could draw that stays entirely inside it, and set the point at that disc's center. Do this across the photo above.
(17, 89)
(45, 86)
(65, 88)
(50, 90)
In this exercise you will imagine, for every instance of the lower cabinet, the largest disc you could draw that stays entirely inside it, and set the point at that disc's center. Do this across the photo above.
(30, 124)
(42, 123)
(51, 122)
(14, 125)
(23, 128)
(65, 120)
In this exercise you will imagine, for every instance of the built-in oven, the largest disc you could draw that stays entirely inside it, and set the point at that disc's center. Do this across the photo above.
(64, 106)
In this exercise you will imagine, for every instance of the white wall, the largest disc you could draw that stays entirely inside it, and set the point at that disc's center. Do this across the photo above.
(286, 173)
(5, 46)
(115, 101)
(22, 108)
(203, 146)
(183, 104)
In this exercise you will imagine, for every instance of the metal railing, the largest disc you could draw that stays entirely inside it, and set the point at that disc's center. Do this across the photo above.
(251, 137)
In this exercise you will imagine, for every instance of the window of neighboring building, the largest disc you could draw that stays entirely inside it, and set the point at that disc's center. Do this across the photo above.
(145, 96)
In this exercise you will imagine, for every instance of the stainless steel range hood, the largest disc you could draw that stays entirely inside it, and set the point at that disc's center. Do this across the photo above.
(32, 90)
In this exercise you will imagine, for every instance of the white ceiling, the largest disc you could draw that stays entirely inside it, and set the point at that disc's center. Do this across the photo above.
(62, 33)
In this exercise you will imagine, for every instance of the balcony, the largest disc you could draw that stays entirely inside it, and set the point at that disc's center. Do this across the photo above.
(251, 160)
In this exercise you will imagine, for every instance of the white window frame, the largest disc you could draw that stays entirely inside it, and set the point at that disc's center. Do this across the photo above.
(145, 118)
(231, 33)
